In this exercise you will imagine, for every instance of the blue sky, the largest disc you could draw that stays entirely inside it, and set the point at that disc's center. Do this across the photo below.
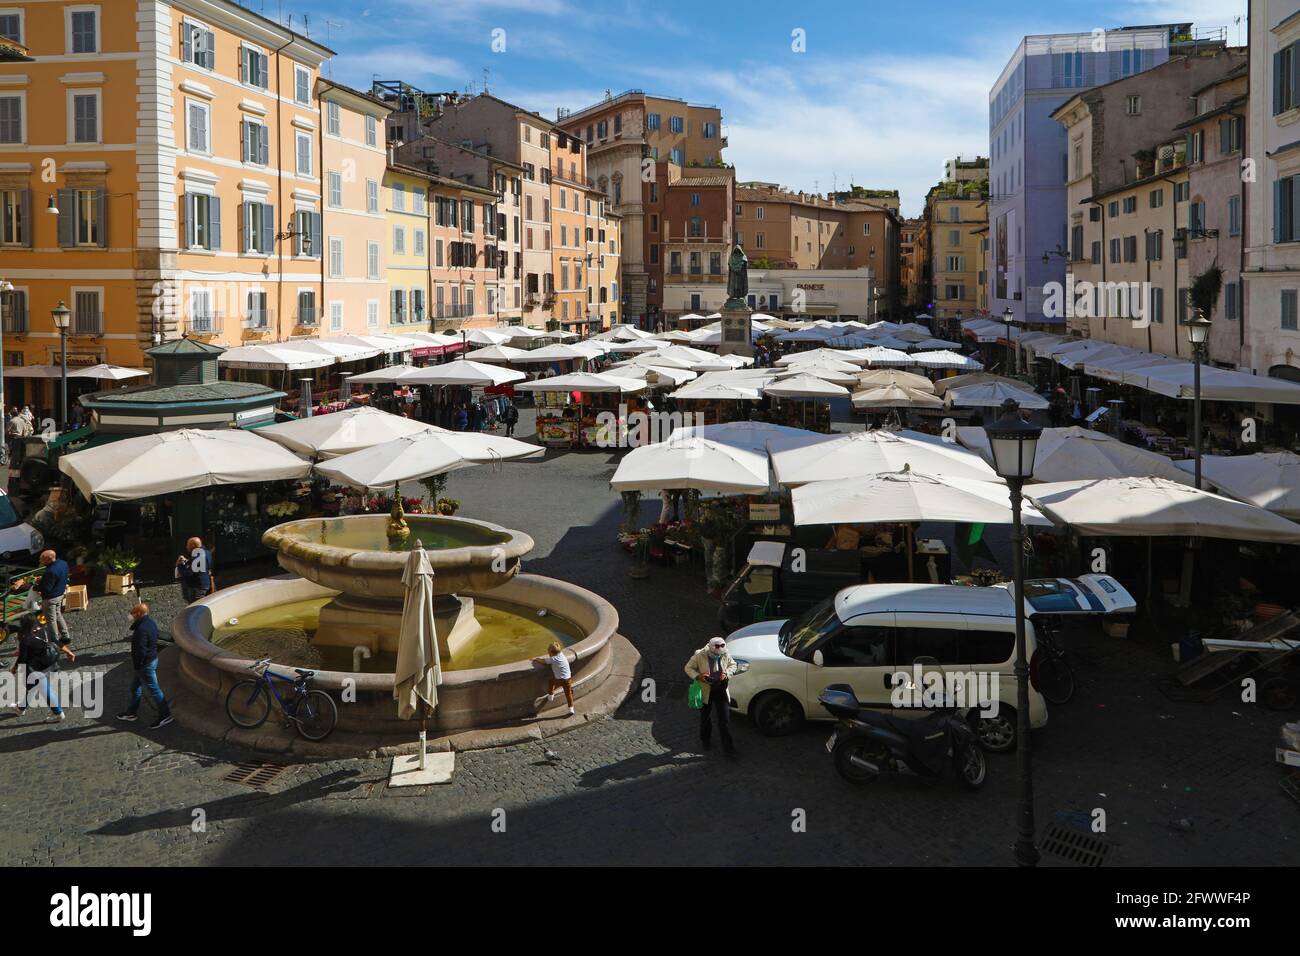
(883, 93)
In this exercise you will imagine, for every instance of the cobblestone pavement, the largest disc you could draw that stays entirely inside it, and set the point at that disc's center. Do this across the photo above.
(1181, 784)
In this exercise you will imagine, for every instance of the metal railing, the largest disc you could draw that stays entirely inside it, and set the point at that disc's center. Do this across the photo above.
(259, 319)
(576, 179)
(205, 323)
(452, 310)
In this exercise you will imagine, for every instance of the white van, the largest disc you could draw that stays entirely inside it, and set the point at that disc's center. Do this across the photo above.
(19, 541)
(868, 631)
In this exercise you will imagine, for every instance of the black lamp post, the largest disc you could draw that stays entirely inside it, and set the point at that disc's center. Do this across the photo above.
(1198, 333)
(1007, 317)
(62, 316)
(1014, 443)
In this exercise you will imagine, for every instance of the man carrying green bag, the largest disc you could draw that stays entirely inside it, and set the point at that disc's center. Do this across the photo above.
(709, 670)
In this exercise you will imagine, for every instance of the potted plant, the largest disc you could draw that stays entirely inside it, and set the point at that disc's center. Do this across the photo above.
(641, 554)
(119, 565)
(81, 566)
(448, 506)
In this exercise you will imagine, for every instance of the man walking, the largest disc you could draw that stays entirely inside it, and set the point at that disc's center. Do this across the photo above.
(52, 586)
(144, 659)
(511, 417)
(39, 657)
(195, 571)
(712, 666)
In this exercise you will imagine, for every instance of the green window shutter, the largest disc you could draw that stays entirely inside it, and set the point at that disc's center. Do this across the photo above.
(268, 227)
(25, 216)
(101, 216)
(214, 223)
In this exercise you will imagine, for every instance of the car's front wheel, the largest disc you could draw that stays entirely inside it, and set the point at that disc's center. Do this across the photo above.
(775, 713)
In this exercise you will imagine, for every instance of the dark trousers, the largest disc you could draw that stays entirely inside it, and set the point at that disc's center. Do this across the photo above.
(717, 702)
(510, 427)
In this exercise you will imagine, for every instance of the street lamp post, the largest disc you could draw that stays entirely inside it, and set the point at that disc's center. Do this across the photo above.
(62, 316)
(6, 287)
(1198, 333)
(1007, 317)
(1014, 442)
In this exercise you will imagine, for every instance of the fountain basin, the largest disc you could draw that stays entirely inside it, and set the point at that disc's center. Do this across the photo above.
(503, 695)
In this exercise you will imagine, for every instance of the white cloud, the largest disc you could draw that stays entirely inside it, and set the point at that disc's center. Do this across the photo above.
(410, 63)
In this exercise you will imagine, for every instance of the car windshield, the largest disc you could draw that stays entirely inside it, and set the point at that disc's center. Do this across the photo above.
(800, 633)
(8, 517)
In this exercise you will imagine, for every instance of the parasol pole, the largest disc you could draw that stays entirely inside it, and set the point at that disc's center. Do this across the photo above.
(424, 716)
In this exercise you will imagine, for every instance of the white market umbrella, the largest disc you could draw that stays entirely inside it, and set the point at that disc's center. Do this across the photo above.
(893, 376)
(757, 437)
(488, 336)
(337, 349)
(552, 353)
(105, 373)
(727, 388)
(276, 357)
(1064, 454)
(34, 371)
(1270, 480)
(992, 395)
(591, 349)
(974, 378)
(827, 358)
(1151, 507)
(655, 374)
(906, 496)
(583, 382)
(383, 376)
(896, 396)
(496, 354)
(867, 453)
(422, 456)
(945, 359)
(929, 344)
(630, 346)
(341, 433)
(804, 386)
(419, 666)
(691, 462)
(823, 370)
(462, 372)
(878, 355)
(182, 460)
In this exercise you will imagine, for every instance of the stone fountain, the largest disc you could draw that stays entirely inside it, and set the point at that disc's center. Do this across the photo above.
(342, 605)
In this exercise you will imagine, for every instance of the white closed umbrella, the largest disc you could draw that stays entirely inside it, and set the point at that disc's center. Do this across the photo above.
(867, 453)
(691, 462)
(893, 376)
(419, 666)
(896, 396)
(496, 354)
(105, 373)
(906, 496)
(462, 372)
(1154, 507)
(992, 395)
(421, 456)
(182, 460)
(1270, 480)
(804, 386)
(341, 433)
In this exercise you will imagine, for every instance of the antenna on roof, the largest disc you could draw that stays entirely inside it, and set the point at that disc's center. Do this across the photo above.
(486, 73)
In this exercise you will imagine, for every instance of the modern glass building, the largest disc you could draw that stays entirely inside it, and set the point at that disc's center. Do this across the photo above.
(1027, 152)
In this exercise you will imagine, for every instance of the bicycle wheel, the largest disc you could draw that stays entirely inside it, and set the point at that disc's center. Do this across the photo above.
(248, 704)
(316, 715)
(1056, 679)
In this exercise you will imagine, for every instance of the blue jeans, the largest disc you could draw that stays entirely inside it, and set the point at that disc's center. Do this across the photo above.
(42, 680)
(147, 676)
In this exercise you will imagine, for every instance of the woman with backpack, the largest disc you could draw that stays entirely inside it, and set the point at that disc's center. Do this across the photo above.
(40, 656)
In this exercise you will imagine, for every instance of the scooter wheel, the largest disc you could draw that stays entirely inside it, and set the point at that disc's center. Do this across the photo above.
(862, 750)
(972, 768)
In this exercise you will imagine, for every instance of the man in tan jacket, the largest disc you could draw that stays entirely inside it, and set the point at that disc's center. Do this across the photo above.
(712, 666)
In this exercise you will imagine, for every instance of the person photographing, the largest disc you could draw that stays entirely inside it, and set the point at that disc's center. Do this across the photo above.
(712, 667)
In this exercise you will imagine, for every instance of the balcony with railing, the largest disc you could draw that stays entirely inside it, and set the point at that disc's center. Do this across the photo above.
(308, 316)
(453, 310)
(572, 177)
(204, 323)
(259, 320)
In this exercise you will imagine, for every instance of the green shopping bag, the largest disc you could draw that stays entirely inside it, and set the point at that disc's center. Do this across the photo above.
(695, 696)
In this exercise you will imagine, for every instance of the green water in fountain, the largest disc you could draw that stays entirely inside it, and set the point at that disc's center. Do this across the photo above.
(510, 633)
(436, 534)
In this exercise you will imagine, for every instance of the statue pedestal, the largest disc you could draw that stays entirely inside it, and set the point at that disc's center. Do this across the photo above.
(737, 334)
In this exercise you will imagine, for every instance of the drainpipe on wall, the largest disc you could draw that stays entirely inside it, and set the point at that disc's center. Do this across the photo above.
(1173, 225)
(279, 193)
(1241, 245)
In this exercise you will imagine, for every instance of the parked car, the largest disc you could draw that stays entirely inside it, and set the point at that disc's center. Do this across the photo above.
(864, 632)
(19, 541)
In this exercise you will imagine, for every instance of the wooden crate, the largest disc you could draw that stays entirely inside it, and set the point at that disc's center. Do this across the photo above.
(76, 598)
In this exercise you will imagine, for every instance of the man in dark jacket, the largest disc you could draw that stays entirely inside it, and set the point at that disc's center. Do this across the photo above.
(144, 659)
(511, 417)
(52, 586)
